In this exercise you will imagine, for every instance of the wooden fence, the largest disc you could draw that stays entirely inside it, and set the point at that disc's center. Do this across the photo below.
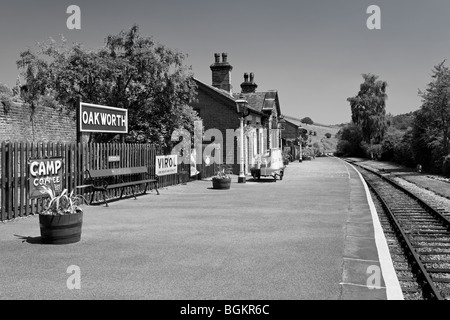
(77, 158)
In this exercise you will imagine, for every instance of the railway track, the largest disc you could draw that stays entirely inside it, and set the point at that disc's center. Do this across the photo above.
(422, 233)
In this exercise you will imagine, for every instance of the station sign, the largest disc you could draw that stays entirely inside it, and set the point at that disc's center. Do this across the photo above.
(113, 158)
(44, 172)
(166, 165)
(96, 118)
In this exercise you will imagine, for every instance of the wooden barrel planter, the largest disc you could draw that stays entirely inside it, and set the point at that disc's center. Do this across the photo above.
(223, 183)
(60, 229)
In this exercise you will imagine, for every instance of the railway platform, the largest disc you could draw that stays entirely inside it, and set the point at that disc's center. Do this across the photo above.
(311, 236)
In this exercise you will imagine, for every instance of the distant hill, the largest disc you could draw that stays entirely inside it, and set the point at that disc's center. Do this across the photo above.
(326, 145)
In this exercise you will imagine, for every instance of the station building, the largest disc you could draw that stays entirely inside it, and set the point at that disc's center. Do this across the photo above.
(290, 136)
(216, 106)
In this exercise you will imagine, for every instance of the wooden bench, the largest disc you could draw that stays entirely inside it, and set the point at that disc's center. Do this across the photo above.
(106, 179)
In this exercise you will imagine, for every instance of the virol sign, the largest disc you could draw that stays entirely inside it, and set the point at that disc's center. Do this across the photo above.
(96, 118)
(166, 165)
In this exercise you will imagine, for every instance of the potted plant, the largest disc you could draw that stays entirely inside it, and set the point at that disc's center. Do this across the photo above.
(286, 158)
(222, 179)
(61, 220)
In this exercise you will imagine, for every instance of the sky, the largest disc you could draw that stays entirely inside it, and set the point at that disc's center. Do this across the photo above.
(312, 52)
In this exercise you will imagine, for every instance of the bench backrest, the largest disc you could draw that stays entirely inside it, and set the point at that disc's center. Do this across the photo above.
(116, 172)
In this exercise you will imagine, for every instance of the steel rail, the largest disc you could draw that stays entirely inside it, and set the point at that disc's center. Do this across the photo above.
(423, 276)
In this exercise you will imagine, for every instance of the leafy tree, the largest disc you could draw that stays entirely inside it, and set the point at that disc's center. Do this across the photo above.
(401, 121)
(303, 138)
(349, 141)
(5, 97)
(4, 89)
(368, 108)
(328, 135)
(392, 138)
(403, 152)
(434, 115)
(307, 120)
(130, 71)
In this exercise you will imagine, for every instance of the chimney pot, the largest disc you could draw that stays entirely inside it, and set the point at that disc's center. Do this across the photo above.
(224, 57)
(249, 86)
(221, 73)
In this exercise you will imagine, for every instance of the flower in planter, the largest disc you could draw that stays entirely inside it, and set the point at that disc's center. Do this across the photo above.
(222, 179)
(61, 203)
(223, 172)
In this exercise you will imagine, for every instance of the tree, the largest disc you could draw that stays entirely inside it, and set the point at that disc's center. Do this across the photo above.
(368, 108)
(435, 109)
(6, 95)
(303, 137)
(130, 71)
(328, 135)
(349, 141)
(307, 120)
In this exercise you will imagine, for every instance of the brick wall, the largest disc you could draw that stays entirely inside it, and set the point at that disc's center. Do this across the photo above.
(218, 113)
(46, 124)
(290, 131)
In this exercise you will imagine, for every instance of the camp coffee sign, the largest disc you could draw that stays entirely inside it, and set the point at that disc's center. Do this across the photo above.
(96, 118)
(44, 172)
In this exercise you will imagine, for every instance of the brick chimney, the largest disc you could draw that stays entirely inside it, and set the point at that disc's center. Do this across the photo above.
(249, 86)
(221, 73)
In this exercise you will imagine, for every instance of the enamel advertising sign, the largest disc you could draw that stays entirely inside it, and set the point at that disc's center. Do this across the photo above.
(166, 165)
(44, 172)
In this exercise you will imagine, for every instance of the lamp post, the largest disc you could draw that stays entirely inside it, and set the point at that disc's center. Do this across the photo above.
(281, 126)
(300, 159)
(243, 111)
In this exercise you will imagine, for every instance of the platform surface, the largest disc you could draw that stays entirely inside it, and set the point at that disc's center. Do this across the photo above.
(309, 236)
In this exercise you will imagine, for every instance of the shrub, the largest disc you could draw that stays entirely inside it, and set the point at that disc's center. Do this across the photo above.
(349, 143)
(328, 135)
(344, 148)
(403, 154)
(5, 97)
(446, 165)
(372, 151)
(4, 89)
(307, 120)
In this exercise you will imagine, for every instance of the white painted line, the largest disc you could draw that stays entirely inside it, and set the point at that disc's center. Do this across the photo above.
(361, 285)
(360, 237)
(393, 289)
(364, 260)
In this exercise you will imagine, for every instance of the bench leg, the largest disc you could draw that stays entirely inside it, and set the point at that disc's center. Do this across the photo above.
(145, 189)
(85, 201)
(133, 191)
(92, 197)
(104, 198)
